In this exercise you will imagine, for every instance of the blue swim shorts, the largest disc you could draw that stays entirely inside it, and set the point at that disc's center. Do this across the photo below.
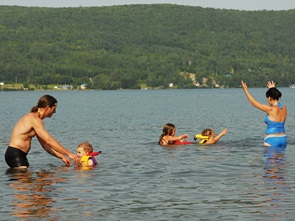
(276, 140)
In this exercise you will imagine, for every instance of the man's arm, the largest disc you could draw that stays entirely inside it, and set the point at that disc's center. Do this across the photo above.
(47, 139)
(53, 152)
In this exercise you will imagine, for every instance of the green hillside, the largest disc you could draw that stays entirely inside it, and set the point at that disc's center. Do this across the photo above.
(134, 45)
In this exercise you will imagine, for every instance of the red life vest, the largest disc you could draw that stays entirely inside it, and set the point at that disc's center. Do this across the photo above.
(182, 142)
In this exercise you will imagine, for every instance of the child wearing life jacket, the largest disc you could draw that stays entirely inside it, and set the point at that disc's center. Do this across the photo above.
(168, 136)
(208, 136)
(85, 151)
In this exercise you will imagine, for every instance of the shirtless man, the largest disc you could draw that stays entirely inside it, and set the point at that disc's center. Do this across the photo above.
(31, 125)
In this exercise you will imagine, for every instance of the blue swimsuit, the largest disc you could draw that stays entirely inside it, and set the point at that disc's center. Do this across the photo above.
(272, 128)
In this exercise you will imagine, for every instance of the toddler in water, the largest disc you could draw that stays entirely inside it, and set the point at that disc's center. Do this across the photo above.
(85, 151)
(168, 138)
(208, 136)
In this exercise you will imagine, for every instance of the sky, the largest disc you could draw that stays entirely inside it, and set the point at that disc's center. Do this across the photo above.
(252, 5)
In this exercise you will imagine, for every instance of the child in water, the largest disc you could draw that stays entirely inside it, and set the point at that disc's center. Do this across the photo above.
(208, 136)
(168, 136)
(85, 151)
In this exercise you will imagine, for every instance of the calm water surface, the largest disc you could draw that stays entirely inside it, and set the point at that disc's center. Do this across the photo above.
(236, 179)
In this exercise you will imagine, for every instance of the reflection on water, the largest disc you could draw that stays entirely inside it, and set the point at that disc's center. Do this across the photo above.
(32, 192)
(136, 179)
(275, 183)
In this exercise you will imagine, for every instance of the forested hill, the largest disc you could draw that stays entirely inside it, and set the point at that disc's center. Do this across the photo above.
(128, 46)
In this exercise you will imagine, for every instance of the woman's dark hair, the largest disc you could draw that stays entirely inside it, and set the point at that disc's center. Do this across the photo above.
(43, 102)
(273, 93)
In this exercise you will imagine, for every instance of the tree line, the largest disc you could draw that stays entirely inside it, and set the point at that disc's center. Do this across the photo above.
(132, 46)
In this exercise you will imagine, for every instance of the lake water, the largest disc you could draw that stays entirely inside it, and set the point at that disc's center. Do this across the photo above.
(236, 179)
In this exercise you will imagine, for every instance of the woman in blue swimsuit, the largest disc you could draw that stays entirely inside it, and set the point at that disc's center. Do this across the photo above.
(276, 115)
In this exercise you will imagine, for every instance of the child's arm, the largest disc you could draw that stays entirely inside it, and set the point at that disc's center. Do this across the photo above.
(220, 135)
(90, 162)
(176, 138)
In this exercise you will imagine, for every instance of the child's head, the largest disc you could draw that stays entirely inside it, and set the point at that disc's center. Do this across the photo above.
(84, 148)
(169, 129)
(208, 133)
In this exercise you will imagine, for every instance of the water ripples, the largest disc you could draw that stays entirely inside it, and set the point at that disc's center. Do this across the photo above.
(136, 179)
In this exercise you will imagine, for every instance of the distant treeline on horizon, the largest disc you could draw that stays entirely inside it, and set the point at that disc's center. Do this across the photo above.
(136, 46)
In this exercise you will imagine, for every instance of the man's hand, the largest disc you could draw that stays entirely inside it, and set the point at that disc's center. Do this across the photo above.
(66, 161)
(75, 158)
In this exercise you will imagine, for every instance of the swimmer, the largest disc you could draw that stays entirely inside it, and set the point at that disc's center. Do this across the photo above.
(208, 136)
(86, 154)
(31, 125)
(168, 136)
(276, 114)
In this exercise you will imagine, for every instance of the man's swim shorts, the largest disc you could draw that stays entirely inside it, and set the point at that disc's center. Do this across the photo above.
(15, 157)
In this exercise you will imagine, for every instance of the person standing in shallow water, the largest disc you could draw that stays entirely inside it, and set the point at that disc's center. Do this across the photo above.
(276, 115)
(31, 125)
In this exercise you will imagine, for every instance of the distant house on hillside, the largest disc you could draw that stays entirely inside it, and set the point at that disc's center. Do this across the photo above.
(83, 86)
(192, 76)
(66, 87)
